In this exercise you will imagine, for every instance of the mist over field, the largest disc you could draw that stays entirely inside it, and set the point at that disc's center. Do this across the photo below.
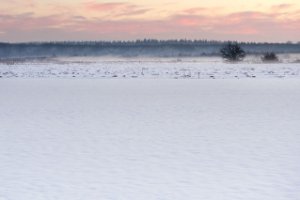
(138, 48)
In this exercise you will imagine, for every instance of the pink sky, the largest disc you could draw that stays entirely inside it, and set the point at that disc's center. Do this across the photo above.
(54, 20)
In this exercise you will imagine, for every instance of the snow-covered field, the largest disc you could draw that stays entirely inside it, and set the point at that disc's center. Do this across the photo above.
(149, 70)
(134, 139)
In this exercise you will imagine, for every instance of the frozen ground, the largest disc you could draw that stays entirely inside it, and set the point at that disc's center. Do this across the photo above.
(152, 69)
(149, 139)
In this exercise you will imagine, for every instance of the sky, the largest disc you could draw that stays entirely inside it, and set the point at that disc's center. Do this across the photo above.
(68, 20)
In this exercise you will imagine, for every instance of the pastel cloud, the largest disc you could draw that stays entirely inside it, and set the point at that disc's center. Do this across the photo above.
(282, 7)
(203, 10)
(191, 23)
(116, 9)
(27, 21)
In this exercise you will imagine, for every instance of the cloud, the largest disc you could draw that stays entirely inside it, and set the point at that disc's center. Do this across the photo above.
(94, 6)
(202, 10)
(191, 20)
(19, 3)
(78, 17)
(116, 9)
(195, 10)
(249, 25)
(281, 7)
(27, 21)
(133, 12)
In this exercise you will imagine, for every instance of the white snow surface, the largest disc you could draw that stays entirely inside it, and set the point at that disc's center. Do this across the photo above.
(148, 70)
(133, 139)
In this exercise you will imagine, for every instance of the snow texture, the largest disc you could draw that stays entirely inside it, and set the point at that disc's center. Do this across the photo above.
(135, 139)
(149, 70)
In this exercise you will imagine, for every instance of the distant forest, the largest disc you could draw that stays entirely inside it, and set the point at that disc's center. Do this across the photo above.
(146, 47)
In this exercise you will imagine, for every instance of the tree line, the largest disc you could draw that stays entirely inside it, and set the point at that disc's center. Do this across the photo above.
(146, 47)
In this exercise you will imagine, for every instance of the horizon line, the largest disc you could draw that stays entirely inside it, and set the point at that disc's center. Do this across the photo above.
(149, 39)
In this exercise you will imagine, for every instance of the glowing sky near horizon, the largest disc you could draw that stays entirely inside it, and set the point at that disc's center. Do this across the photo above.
(256, 20)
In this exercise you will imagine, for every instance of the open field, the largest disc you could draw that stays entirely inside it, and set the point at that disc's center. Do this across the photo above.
(159, 69)
(148, 139)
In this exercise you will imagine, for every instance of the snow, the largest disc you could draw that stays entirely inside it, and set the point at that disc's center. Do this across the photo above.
(148, 70)
(133, 139)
